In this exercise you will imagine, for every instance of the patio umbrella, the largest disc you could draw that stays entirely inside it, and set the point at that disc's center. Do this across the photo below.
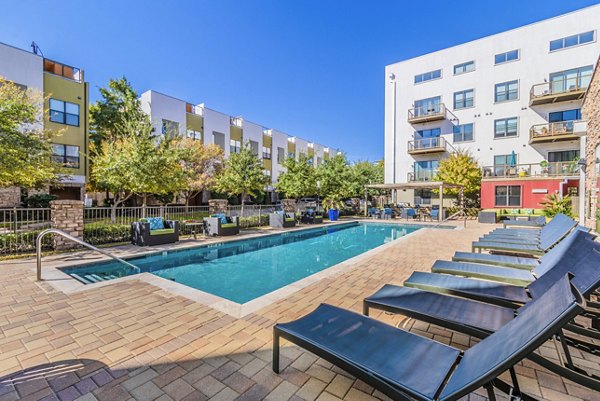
(512, 160)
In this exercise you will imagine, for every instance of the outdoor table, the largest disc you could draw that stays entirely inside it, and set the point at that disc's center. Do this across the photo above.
(196, 226)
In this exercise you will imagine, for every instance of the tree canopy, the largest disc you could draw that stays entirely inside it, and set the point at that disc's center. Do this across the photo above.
(334, 179)
(25, 147)
(364, 173)
(201, 165)
(462, 169)
(299, 178)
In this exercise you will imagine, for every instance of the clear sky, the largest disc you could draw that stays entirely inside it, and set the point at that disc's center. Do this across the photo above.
(311, 68)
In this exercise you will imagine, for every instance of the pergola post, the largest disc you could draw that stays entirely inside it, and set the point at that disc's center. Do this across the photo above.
(366, 200)
(441, 214)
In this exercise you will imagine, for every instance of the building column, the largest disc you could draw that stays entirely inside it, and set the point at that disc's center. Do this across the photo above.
(67, 216)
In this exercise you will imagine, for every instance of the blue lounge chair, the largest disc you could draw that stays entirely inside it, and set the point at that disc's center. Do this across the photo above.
(405, 366)
(411, 213)
(538, 222)
(434, 214)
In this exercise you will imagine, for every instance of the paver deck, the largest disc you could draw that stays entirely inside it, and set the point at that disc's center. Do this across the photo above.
(134, 341)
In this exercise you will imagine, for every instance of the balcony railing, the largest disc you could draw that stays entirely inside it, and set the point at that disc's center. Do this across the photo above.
(63, 70)
(429, 145)
(430, 112)
(548, 169)
(236, 121)
(557, 131)
(422, 175)
(191, 109)
(557, 91)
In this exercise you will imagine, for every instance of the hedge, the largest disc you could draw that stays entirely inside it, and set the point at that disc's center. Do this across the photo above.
(22, 242)
(98, 234)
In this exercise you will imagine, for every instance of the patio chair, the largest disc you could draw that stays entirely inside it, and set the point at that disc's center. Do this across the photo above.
(153, 231)
(411, 213)
(282, 220)
(405, 366)
(550, 234)
(310, 216)
(388, 213)
(538, 222)
(221, 225)
(373, 212)
(434, 214)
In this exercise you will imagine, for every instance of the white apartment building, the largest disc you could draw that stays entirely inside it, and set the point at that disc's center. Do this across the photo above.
(512, 99)
(172, 116)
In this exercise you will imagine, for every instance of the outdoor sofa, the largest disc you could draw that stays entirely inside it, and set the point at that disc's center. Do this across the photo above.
(310, 216)
(154, 231)
(221, 225)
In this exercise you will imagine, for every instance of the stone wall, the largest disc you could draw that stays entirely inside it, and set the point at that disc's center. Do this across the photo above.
(66, 215)
(591, 113)
(10, 197)
(218, 206)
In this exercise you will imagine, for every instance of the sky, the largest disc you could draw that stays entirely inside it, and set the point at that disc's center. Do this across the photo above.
(310, 68)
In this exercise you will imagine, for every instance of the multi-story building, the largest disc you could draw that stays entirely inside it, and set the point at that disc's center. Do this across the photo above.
(512, 99)
(172, 116)
(65, 110)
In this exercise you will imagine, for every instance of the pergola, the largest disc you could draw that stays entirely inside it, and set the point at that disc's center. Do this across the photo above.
(439, 185)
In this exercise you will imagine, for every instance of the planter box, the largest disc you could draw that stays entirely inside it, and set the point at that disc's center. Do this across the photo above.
(487, 217)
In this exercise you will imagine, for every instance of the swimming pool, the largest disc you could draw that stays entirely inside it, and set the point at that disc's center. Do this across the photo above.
(243, 270)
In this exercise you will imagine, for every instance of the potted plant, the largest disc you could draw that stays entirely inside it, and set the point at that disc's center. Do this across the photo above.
(544, 166)
(332, 204)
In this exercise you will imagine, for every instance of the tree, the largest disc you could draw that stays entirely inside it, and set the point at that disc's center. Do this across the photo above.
(335, 181)
(299, 178)
(201, 164)
(364, 173)
(243, 175)
(462, 169)
(554, 204)
(25, 147)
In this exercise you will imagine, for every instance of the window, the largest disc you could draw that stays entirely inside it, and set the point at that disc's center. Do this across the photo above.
(319, 161)
(504, 164)
(463, 99)
(193, 134)
(427, 106)
(219, 139)
(570, 41)
(267, 172)
(266, 153)
(506, 91)
(565, 115)
(280, 155)
(254, 147)
(508, 195)
(291, 155)
(577, 78)
(64, 112)
(506, 57)
(463, 133)
(427, 138)
(428, 76)
(563, 156)
(170, 128)
(235, 146)
(425, 170)
(422, 196)
(67, 155)
(464, 67)
(505, 127)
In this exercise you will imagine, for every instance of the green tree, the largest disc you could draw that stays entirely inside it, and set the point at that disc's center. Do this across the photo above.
(364, 173)
(335, 181)
(299, 178)
(25, 147)
(554, 204)
(462, 169)
(243, 175)
(201, 164)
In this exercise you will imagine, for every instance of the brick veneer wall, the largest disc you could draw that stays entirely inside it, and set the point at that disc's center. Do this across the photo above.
(10, 197)
(591, 112)
(66, 215)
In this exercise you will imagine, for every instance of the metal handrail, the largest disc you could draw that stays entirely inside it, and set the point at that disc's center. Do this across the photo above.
(38, 249)
(460, 212)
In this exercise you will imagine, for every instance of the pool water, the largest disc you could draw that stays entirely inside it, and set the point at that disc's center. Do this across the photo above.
(247, 269)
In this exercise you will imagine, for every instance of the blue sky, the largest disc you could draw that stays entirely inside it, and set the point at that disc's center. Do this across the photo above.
(312, 68)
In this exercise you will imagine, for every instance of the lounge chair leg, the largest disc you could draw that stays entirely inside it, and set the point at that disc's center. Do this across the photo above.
(365, 309)
(565, 346)
(513, 377)
(490, 391)
(275, 351)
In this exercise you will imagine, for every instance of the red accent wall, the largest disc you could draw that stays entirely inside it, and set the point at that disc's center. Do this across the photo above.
(529, 200)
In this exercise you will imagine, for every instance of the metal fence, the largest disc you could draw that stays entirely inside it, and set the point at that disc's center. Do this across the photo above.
(20, 227)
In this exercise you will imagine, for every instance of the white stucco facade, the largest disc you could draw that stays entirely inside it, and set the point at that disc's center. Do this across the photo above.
(21, 67)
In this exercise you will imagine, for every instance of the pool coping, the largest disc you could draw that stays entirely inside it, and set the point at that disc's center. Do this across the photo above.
(63, 282)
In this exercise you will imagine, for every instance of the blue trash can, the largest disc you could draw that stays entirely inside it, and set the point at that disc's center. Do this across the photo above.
(333, 214)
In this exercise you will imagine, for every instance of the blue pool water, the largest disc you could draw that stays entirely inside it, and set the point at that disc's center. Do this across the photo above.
(243, 270)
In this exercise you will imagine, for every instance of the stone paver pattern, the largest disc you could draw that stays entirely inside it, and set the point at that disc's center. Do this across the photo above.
(133, 341)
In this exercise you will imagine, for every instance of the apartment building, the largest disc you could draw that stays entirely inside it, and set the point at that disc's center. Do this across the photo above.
(171, 116)
(65, 111)
(512, 99)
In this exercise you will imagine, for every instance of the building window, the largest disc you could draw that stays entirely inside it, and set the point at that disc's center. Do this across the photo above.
(424, 107)
(254, 147)
(267, 173)
(507, 195)
(235, 146)
(565, 115)
(577, 78)
(291, 155)
(505, 127)
(463, 99)
(193, 134)
(574, 40)
(464, 67)
(64, 112)
(219, 139)
(506, 91)
(319, 161)
(506, 57)
(280, 155)
(462, 133)
(428, 76)
(505, 164)
(563, 156)
(425, 170)
(266, 152)
(422, 197)
(67, 155)
(170, 128)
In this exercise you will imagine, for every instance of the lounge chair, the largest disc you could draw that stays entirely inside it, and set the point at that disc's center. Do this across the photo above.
(538, 222)
(550, 234)
(411, 213)
(405, 366)
(221, 225)
(434, 214)
(374, 213)
(153, 231)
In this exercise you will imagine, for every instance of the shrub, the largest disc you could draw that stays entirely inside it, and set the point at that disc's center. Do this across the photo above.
(40, 200)
(554, 204)
(22, 242)
(99, 233)
(254, 221)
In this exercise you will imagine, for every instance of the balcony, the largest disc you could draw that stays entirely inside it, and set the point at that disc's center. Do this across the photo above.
(538, 170)
(428, 145)
(558, 91)
(422, 175)
(191, 109)
(63, 70)
(424, 114)
(558, 131)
